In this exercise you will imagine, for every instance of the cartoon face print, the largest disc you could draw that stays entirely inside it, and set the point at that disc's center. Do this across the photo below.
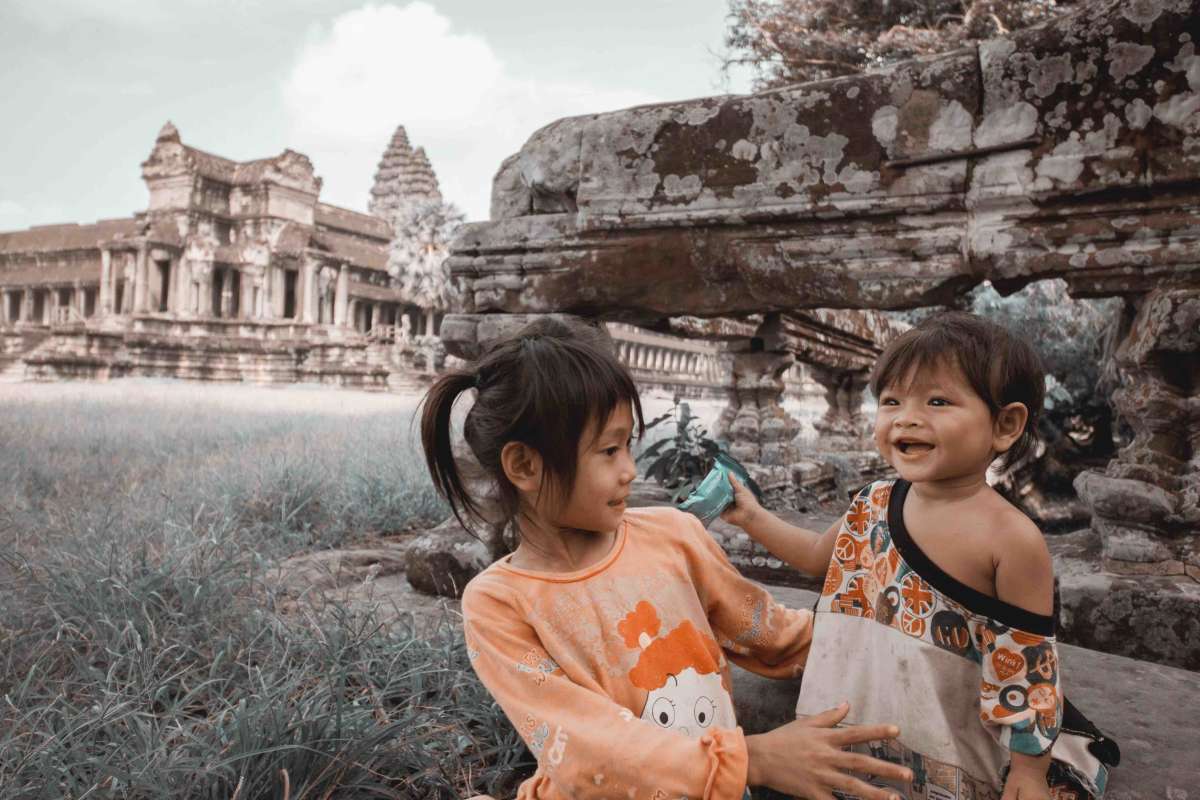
(683, 673)
(690, 703)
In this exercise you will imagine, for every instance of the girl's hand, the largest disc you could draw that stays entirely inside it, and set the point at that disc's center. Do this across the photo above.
(745, 506)
(805, 758)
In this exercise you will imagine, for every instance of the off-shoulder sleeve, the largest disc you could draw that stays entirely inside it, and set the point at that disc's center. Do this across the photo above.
(587, 745)
(1020, 702)
(755, 631)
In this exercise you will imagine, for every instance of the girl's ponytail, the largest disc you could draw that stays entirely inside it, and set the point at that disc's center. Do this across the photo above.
(438, 405)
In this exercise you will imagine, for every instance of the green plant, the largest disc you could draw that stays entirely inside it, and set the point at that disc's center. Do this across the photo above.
(679, 462)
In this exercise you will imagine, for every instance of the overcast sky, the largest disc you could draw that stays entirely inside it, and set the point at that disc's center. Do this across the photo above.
(88, 83)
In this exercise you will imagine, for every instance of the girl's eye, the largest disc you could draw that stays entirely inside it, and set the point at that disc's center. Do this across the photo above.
(663, 712)
(611, 451)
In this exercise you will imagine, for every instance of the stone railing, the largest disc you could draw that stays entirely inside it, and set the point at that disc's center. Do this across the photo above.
(688, 367)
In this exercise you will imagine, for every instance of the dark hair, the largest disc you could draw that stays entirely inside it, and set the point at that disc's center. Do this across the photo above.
(541, 388)
(1000, 367)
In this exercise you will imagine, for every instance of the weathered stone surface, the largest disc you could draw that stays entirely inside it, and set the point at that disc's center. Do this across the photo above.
(1143, 706)
(889, 190)
(442, 561)
(358, 579)
(1148, 615)
(1146, 504)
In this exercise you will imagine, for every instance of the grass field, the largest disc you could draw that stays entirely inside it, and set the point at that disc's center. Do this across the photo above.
(141, 651)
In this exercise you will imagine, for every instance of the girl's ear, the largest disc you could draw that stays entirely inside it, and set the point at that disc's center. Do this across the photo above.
(1008, 426)
(522, 466)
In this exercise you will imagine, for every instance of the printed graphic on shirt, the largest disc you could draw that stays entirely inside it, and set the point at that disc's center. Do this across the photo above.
(1019, 699)
(682, 671)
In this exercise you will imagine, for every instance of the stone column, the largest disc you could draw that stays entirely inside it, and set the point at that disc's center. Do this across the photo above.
(141, 282)
(376, 315)
(341, 302)
(754, 421)
(307, 291)
(202, 273)
(27, 306)
(843, 423)
(105, 300)
(249, 308)
(181, 303)
(227, 293)
(1146, 504)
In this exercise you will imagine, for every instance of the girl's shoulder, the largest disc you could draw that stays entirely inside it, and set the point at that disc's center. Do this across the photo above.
(668, 531)
(660, 521)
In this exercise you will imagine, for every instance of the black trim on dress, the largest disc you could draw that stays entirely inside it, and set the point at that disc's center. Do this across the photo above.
(973, 599)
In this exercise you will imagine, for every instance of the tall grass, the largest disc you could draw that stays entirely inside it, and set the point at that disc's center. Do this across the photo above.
(142, 654)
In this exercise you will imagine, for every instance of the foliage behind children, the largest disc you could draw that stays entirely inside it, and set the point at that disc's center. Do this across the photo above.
(607, 635)
(936, 610)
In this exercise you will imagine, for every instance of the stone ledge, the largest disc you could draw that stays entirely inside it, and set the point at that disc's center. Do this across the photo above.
(1149, 709)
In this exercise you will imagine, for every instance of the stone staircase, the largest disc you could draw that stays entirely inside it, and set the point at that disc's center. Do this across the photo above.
(15, 347)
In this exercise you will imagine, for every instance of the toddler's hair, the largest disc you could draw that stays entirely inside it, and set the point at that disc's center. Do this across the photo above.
(999, 366)
(541, 388)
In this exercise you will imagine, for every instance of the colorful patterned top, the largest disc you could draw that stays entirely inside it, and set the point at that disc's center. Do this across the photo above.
(967, 677)
(617, 676)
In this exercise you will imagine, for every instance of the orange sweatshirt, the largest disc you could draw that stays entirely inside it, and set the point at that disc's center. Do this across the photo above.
(617, 676)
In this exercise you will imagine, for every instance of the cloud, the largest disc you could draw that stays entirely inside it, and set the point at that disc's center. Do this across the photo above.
(380, 66)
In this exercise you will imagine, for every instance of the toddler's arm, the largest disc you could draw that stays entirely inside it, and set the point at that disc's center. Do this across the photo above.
(805, 550)
(1025, 578)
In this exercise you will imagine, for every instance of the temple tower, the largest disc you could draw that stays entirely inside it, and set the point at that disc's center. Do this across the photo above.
(404, 176)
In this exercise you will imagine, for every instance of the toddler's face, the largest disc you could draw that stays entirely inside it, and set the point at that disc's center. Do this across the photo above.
(932, 427)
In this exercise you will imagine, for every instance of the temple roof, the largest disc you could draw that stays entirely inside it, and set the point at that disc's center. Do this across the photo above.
(345, 219)
(86, 272)
(352, 249)
(68, 236)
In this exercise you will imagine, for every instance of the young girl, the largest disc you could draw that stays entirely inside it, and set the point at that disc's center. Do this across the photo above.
(937, 607)
(606, 636)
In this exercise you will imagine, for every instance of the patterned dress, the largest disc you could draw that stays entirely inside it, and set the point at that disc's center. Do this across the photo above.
(967, 677)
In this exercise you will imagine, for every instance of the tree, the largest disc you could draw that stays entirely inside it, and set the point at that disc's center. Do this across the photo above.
(793, 41)
(421, 235)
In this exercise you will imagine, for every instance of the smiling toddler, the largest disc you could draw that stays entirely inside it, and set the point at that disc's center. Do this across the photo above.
(937, 606)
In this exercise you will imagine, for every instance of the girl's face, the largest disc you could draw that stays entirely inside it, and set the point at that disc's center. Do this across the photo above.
(932, 427)
(604, 471)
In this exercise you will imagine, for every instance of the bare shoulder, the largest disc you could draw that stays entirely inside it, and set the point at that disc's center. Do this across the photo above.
(1016, 534)
(1024, 569)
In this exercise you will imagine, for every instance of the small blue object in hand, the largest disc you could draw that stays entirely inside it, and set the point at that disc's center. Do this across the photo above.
(715, 493)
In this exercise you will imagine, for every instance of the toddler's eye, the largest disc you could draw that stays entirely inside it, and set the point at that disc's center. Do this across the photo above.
(939, 401)
(889, 401)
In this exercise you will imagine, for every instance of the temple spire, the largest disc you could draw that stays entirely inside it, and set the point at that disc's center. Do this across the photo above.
(404, 176)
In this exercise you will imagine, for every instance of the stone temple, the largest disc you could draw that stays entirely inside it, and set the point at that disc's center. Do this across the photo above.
(236, 271)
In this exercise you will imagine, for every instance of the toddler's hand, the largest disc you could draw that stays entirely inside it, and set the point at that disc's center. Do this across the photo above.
(1026, 785)
(745, 505)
